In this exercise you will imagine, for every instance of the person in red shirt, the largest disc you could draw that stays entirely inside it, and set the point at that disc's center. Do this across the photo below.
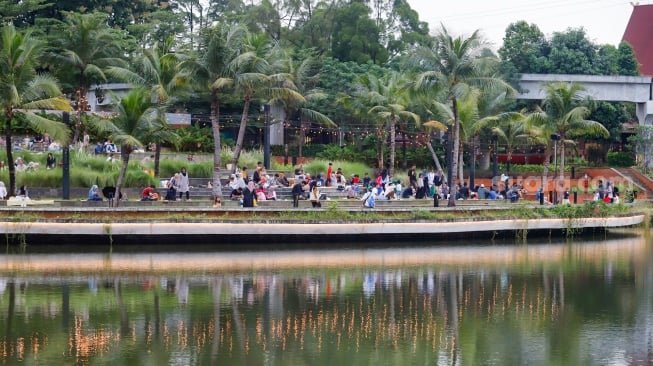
(149, 194)
(328, 175)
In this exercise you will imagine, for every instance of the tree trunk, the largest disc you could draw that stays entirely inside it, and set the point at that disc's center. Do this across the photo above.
(561, 177)
(241, 133)
(124, 154)
(157, 159)
(81, 108)
(393, 135)
(216, 188)
(379, 148)
(10, 156)
(454, 159)
(302, 138)
(545, 171)
(434, 155)
(461, 165)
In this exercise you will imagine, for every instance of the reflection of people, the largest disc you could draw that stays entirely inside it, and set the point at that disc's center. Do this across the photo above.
(94, 194)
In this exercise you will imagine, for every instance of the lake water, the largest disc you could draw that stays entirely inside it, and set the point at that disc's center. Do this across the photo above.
(545, 302)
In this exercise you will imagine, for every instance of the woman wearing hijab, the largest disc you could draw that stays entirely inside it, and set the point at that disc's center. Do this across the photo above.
(249, 195)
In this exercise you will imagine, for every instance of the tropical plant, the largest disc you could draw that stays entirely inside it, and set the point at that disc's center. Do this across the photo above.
(389, 101)
(80, 50)
(211, 74)
(136, 119)
(22, 90)
(163, 75)
(452, 68)
(304, 77)
(259, 70)
(564, 115)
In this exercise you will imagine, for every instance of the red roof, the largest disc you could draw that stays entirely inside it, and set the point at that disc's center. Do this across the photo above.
(639, 33)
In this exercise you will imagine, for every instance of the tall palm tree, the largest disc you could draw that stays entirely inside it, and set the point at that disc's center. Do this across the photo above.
(564, 112)
(136, 119)
(304, 77)
(81, 48)
(211, 75)
(389, 100)
(452, 67)
(163, 75)
(23, 90)
(256, 72)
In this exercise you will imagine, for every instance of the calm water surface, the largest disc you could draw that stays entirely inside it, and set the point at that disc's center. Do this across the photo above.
(558, 302)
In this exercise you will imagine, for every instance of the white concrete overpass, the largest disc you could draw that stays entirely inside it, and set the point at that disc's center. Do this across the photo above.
(635, 89)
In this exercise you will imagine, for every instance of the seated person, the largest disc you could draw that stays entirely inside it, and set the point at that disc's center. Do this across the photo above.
(236, 194)
(99, 148)
(408, 192)
(20, 165)
(271, 194)
(282, 180)
(3, 190)
(217, 202)
(50, 161)
(94, 193)
(260, 194)
(149, 194)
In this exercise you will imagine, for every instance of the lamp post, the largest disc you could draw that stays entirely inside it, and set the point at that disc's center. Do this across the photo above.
(266, 137)
(555, 137)
(65, 157)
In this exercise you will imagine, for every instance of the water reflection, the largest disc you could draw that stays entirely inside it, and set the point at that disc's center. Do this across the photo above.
(556, 303)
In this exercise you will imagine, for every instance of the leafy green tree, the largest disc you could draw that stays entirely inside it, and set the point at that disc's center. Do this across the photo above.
(23, 90)
(626, 60)
(451, 70)
(641, 142)
(136, 120)
(81, 48)
(526, 48)
(21, 13)
(565, 111)
(356, 36)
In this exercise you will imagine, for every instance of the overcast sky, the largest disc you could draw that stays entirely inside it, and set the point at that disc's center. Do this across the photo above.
(604, 20)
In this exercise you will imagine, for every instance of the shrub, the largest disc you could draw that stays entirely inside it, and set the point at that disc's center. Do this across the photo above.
(621, 159)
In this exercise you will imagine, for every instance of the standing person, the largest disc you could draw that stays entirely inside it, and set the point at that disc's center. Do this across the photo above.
(249, 195)
(183, 184)
(412, 177)
(297, 191)
(328, 174)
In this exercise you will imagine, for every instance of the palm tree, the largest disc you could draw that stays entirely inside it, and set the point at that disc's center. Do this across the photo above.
(453, 66)
(302, 76)
(23, 90)
(211, 74)
(136, 120)
(163, 75)
(81, 48)
(260, 70)
(389, 99)
(565, 111)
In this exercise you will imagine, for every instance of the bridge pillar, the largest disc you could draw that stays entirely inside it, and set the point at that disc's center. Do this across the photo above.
(644, 113)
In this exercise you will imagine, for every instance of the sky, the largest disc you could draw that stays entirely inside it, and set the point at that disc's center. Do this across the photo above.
(604, 21)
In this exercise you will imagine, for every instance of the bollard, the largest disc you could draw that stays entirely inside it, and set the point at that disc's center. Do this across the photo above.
(575, 198)
(542, 198)
(551, 197)
(436, 200)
